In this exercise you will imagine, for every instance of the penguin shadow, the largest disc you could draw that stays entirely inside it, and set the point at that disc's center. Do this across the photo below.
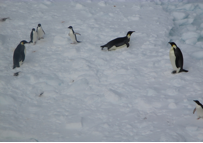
(16, 74)
(4, 19)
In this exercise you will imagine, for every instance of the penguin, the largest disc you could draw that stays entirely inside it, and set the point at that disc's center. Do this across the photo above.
(33, 36)
(176, 58)
(40, 32)
(72, 35)
(199, 109)
(118, 42)
(19, 54)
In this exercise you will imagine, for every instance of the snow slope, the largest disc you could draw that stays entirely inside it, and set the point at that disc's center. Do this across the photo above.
(76, 92)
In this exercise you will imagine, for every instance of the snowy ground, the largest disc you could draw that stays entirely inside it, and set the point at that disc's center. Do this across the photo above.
(91, 95)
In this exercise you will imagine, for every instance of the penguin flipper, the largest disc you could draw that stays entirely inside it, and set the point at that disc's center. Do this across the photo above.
(43, 31)
(16, 64)
(128, 45)
(194, 110)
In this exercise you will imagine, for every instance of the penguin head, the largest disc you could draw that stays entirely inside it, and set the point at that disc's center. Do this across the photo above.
(33, 29)
(23, 42)
(129, 33)
(70, 27)
(173, 44)
(39, 25)
(197, 102)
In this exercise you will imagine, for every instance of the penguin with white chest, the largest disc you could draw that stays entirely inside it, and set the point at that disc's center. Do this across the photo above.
(19, 54)
(33, 36)
(40, 32)
(176, 58)
(199, 109)
(118, 42)
(72, 35)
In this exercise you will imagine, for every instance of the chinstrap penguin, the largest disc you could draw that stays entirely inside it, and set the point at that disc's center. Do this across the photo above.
(33, 36)
(19, 54)
(40, 32)
(176, 58)
(199, 109)
(72, 35)
(118, 42)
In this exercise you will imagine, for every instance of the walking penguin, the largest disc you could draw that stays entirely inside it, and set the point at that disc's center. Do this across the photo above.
(72, 35)
(33, 36)
(176, 58)
(40, 32)
(19, 54)
(199, 109)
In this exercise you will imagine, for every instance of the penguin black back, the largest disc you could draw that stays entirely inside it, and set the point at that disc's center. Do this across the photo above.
(119, 41)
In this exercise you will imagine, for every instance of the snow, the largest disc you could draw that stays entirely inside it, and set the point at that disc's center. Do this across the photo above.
(77, 92)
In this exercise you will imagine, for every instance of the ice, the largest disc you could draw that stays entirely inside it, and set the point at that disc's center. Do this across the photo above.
(178, 15)
(79, 6)
(198, 55)
(59, 40)
(102, 3)
(77, 92)
(2, 39)
(190, 37)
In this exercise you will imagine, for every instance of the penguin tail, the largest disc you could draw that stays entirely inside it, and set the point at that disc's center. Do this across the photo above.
(14, 66)
(183, 70)
(30, 42)
(79, 41)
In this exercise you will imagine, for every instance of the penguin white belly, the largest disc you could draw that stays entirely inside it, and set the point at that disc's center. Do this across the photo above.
(173, 59)
(40, 33)
(34, 37)
(114, 47)
(72, 37)
(199, 111)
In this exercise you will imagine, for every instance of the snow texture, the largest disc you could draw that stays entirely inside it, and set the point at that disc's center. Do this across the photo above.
(77, 92)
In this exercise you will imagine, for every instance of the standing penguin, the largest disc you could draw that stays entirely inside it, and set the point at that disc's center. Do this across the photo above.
(33, 36)
(19, 54)
(176, 58)
(72, 35)
(118, 42)
(199, 109)
(40, 32)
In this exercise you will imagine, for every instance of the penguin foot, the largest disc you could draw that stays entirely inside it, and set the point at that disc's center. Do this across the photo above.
(173, 72)
(182, 70)
(198, 118)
